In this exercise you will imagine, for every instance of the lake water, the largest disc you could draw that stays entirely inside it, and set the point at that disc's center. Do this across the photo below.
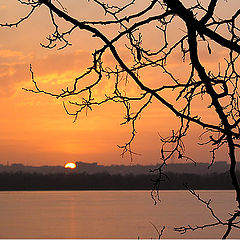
(109, 214)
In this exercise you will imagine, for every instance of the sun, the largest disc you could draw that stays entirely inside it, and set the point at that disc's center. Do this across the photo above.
(70, 165)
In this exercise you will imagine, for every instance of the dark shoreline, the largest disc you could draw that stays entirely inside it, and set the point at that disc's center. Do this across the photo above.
(106, 182)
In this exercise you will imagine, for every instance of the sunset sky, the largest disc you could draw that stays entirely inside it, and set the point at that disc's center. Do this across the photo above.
(35, 130)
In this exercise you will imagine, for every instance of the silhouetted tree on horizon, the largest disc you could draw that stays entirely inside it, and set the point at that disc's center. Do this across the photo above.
(200, 30)
(12, 181)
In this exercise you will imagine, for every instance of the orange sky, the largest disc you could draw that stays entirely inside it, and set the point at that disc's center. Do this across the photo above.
(35, 130)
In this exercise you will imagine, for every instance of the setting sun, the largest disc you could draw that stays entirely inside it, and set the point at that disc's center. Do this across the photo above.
(70, 165)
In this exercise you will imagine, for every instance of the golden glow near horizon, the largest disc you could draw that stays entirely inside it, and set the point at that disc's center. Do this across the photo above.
(70, 165)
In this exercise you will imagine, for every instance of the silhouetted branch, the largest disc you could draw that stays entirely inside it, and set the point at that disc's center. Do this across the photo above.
(200, 27)
(218, 221)
(160, 233)
(34, 5)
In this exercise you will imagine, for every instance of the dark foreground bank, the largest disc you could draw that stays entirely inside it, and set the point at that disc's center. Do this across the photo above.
(105, 181)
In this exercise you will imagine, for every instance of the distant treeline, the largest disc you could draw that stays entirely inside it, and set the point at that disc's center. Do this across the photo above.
(105, 181)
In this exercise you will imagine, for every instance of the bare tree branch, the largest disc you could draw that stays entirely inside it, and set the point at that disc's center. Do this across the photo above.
(177, 94)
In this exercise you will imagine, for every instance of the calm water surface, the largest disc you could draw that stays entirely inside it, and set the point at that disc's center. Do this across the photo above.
(108, 214)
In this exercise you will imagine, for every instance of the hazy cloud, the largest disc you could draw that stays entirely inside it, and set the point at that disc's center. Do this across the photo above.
(7, 53)
(13, 72)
